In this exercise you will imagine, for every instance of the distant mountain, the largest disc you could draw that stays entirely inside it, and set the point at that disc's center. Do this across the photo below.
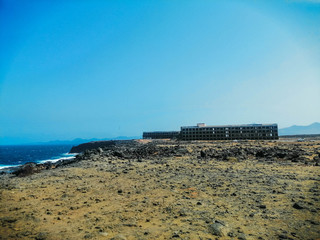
(78, 141)
(313, 128)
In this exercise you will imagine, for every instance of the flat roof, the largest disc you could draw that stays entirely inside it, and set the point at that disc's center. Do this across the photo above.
(163, 132)
(240, 125)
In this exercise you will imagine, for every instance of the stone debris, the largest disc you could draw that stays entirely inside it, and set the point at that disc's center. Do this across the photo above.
(167, 190)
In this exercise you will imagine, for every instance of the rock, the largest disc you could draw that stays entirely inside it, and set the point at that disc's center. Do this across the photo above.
(203, 154)
(88, 236)
(105, 234)
(41, 236)
(130, 224)
(183, 212)
(297, 206)
(175, 235)
(219, 229)
(119, 237)
(284, 236)
(242, 236)
(27, 169)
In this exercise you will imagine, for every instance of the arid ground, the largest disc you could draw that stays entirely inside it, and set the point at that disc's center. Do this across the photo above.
(170, 190)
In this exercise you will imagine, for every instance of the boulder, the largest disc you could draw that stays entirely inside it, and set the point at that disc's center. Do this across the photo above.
(27, 169)
(219, 228)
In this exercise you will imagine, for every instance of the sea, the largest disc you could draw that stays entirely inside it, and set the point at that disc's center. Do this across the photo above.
(16, 155)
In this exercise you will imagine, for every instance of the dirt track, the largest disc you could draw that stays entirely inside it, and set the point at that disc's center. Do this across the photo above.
(191, 193)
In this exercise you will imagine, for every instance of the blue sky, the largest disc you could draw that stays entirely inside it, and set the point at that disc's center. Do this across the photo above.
(87, 69)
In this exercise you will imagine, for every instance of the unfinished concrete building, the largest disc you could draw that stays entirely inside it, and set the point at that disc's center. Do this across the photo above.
(161, 135)
(230, 132)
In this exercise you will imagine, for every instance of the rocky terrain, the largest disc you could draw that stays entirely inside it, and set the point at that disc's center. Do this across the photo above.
(168, 190)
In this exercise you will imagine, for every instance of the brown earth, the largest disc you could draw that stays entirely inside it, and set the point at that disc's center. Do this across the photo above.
(186, 191)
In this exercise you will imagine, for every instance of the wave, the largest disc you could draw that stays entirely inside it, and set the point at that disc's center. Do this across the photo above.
(63, 157)
(56, 159)
(8, 166)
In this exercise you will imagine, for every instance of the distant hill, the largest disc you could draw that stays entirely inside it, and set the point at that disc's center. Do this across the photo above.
(78, 141)
(313, 128)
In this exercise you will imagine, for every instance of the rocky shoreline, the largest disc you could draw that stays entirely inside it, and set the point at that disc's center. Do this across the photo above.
(144, 189)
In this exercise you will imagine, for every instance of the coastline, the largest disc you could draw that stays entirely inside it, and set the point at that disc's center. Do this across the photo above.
(38, 165)
(167, 189)
(54, 160)
(15, 156)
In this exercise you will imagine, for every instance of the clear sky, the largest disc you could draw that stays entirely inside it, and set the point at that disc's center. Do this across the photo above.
(100, 69)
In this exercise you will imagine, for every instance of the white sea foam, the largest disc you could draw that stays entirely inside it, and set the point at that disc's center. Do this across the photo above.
(64, 156)
(8, 166)
(72, 156)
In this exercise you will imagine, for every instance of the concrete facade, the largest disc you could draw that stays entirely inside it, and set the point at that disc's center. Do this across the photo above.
(161, 135)
(230, 132)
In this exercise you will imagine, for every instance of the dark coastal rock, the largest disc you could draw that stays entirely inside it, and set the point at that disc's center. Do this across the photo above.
(27, 169)
(101, 144)
(32, 168)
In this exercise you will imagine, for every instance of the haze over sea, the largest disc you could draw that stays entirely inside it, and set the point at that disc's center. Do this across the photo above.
(20, 154)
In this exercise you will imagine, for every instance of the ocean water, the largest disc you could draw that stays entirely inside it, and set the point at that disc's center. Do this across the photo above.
(11, 156)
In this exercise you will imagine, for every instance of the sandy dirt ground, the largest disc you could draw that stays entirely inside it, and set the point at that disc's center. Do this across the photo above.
(189, 194)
